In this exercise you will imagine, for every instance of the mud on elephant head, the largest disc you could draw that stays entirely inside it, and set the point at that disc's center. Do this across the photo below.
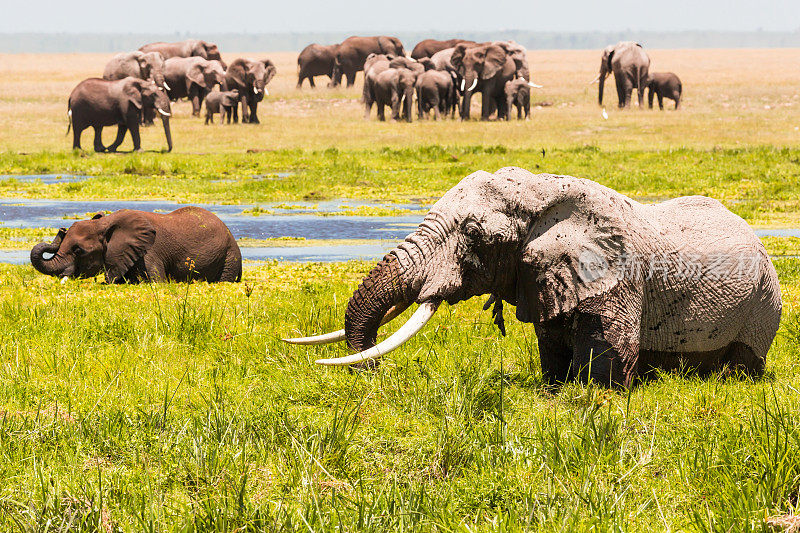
(552, 246)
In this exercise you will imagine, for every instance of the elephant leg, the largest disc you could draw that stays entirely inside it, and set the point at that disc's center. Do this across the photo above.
(311, 82)
(620, 91)
(133, 126)
(740, 358)
(650, 96)
(195, 97)
(76, 136)
(436, 111)
(605, 343)
(486, 106)
(351, 79)
(98, 139)
(381, 115)
(253, 112)
(555, 354)
(245, 110)
(121, 130)
(395, 107)
(677, 102)
(660, 102)
(232, 271)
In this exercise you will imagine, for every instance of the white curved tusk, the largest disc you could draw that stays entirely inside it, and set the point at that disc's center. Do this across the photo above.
(163, 112)
(266, 91)
(420, 317)
(166, 86)
(337, 336)
(535, 86)
(69, 113)
(64, 280)
(255, 91)
(327, 338)
(474, 83)
(595, 80)
(462, 85)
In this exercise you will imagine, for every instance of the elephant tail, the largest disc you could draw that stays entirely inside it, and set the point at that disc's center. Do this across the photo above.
(69, 116)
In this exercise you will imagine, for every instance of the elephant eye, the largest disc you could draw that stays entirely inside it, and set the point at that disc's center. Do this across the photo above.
(473, 230)
(77, 250)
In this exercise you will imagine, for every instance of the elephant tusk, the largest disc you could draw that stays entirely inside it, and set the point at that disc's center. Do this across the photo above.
(471, 87)
(337, 336)
(462, 85)
(163, 112)
(420, 317)
(535, 86)
(166, 86)
(595, 80)
(64, 280)
(255, 91)
(266, 91)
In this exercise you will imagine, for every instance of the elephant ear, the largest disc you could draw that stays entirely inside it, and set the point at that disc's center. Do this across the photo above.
(271, 70)
(128, 237)
(570, 254)
(457, 57)
(229, 98)
(132, 95)
(494, 61)
(195, 75)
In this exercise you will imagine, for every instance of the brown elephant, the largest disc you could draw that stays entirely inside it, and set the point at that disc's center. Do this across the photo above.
(316, 60)
(187, 48)
(97, 103)
(250, 78)
(188, 244)
(485, 68)
(192, 78)
(222, 102)
(395, 87)
(630, 65)
(353, 52)
(664, 85)
(428, 47)
(436, 91)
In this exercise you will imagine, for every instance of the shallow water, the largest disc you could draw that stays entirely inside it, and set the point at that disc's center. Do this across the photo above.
(298, 221)
(46, 178)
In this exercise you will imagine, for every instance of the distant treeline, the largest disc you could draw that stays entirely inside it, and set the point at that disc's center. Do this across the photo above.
(266, 42)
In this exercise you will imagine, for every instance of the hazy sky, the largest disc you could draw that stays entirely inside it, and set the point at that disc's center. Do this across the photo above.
(258, 16)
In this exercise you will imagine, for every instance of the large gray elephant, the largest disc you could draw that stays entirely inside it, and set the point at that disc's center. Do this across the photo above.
(353, 52)
(187, 48)
(316, 60)
(615, 288)
(630, 65)
(436, 90)
(250, 78)
(394, 87)
(138, 64)
(192, 78)
(97, 103)
(373, 66)
(484, 68)
(132, 246)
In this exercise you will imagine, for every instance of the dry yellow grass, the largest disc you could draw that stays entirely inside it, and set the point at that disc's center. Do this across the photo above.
(731, 98)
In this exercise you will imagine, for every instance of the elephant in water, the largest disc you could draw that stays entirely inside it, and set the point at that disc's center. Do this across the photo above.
(614, 287)
(98, 103)
(132, 246)
(630, 65)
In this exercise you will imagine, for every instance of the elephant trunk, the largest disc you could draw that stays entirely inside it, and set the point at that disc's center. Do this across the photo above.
(468, 84)
(167, 132)
(601, 85)
(55, 265)
(380, 291)
(408, 104)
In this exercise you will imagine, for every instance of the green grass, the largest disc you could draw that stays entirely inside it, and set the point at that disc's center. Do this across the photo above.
(175, 408)
(762, 184)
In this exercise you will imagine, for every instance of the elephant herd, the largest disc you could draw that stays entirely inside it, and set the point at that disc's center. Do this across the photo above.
(137, 85)
(444, 75)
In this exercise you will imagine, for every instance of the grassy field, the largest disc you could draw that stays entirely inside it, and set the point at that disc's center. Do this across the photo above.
(176, 407)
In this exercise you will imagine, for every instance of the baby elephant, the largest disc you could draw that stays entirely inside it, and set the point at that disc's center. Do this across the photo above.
(435, 90)
(518, 93)
(222, 102)
(664, 85)
(97, 103)
(132, 246)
